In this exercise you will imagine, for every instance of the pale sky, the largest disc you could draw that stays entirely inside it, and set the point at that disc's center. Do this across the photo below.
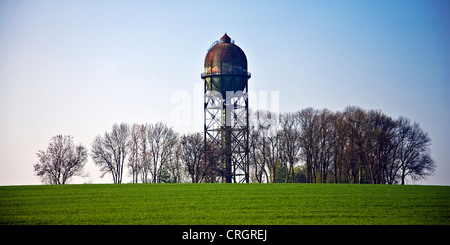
(77, 67)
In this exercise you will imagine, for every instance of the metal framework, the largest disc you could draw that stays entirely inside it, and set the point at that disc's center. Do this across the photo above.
(226, 126)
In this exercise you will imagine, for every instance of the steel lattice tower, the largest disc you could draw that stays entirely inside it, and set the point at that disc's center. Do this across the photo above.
(226, 119)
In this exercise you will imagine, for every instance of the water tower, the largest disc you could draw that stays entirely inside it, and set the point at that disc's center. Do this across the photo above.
(226, 107)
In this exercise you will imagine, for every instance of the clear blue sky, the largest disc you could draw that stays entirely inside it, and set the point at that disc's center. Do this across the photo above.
(77, 67)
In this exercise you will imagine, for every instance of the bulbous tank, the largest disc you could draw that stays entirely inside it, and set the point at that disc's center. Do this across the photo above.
(225, 67)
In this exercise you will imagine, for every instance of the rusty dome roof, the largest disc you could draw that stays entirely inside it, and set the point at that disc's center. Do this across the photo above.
(225, 57)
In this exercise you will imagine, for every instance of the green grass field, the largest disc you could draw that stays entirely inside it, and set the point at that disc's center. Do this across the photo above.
(225, 204)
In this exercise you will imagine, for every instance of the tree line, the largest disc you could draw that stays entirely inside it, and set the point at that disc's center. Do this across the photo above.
(353, 146)
(307, 146)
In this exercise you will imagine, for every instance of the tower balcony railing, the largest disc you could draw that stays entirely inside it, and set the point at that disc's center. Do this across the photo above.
(219, 73)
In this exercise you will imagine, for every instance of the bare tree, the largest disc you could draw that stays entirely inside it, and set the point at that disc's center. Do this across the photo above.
(264, 125)
(380, 145)
(161, 140)
(289, 142)
(413, 153)
(191, 153)
(307, 120)
(339, 145)
(274, 153)
(213, 160)
(175, 165)
(254, 154)
(134, 144)
(61, 161)
(110, 151)
(144, 154)
(325, 142)
(356, 123)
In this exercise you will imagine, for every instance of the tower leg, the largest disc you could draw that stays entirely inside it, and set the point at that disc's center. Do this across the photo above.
(227, 154)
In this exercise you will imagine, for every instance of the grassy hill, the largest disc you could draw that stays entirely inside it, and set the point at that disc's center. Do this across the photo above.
(225, 204)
